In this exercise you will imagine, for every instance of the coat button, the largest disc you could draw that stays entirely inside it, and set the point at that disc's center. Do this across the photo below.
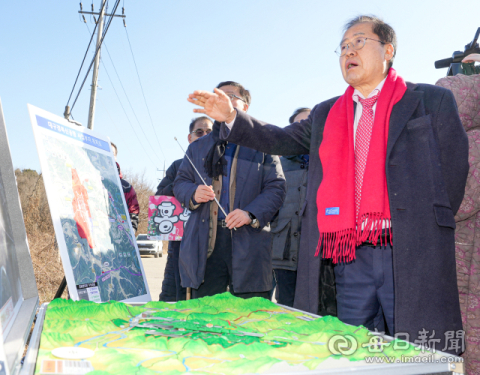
(203, 220)
(302, 166)
(296, 234)
(296, 212)
(299, 188)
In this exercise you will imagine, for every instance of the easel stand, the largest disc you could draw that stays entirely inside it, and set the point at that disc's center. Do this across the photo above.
(61, 288)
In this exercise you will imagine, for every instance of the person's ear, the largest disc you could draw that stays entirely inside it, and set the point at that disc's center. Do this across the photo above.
(389, 50)
(245, 107)
(189, 138)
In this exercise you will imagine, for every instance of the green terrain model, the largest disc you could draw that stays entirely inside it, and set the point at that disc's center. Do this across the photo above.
(212, 335)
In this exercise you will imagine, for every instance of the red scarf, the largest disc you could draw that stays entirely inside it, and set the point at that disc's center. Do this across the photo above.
(340, 229)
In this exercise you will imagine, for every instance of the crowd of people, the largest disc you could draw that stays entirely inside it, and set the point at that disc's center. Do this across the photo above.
(349, 210)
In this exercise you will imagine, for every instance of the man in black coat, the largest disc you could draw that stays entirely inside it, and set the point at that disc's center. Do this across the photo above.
(413, 283)
(250, 187)
(172, 289)
(287, 225)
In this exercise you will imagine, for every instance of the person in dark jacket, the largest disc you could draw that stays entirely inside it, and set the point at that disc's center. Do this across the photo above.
(250, 188)
(172, 289)
(130, 194)
(286, 228)
(415, 173)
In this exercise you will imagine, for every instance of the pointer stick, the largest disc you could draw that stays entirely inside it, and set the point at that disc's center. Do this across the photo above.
(199, 175)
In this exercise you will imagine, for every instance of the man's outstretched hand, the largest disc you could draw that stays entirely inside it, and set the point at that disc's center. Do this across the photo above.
(217, 105)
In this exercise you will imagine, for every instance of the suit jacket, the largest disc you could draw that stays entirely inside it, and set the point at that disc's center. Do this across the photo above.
(426, 169)
(260, 189)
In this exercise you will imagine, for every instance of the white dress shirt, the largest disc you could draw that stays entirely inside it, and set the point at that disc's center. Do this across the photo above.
(358, 113)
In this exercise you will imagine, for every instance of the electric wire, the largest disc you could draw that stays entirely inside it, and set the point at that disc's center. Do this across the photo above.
(96, 52)
(143, 93)
(125, 142)
(128, 119)
(123, 108)
(131, 107)
(83, 61)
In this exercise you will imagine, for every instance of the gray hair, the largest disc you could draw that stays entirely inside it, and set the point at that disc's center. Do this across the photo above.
(384, 31)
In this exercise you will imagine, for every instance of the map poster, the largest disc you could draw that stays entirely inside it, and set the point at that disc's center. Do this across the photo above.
(89, 213)
(166, 218)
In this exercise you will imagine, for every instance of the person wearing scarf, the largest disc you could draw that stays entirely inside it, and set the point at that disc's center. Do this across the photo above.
(388, 167)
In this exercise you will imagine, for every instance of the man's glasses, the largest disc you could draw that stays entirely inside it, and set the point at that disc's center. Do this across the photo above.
(200, 132)
(232, 96)
(357, 44)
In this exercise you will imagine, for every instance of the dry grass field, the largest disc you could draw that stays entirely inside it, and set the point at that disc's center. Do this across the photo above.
(41, 236)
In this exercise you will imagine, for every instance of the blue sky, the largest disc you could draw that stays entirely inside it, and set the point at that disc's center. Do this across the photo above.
(282, 51)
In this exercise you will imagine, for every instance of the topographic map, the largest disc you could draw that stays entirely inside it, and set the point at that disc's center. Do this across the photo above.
(222, 334)
(92, 225)
(94, 222)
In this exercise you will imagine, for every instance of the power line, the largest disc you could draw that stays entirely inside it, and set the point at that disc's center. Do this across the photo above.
(96, 52)
(84, 57)
(128, 119)
(144, 99)
(131, 107)
(123, 108)
(113, 123)
(116, 93)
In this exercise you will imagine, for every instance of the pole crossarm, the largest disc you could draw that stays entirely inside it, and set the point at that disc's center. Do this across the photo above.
(105, 14)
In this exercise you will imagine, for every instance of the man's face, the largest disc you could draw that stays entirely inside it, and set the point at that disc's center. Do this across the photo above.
(301, 116)
(237, 103)
(200, 125)
(367, 67)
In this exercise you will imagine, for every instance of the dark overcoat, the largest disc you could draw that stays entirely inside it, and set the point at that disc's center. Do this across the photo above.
(260, 190)
(286, 227)
(426, 170)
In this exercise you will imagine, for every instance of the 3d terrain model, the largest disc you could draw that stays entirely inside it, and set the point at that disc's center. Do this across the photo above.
(212, 335)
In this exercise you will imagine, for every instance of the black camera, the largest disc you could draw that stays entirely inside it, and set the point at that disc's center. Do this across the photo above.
(454, 63)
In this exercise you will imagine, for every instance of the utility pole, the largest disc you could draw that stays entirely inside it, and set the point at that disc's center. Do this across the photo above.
(93, 95)
(164, 170)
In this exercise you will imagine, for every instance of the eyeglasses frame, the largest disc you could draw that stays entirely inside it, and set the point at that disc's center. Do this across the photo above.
(364, 42)
(203, 132)
(235, 96)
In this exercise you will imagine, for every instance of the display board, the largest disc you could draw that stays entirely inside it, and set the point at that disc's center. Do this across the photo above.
(18, 290)
(166, 218)
(10, 287)
(89, 213)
